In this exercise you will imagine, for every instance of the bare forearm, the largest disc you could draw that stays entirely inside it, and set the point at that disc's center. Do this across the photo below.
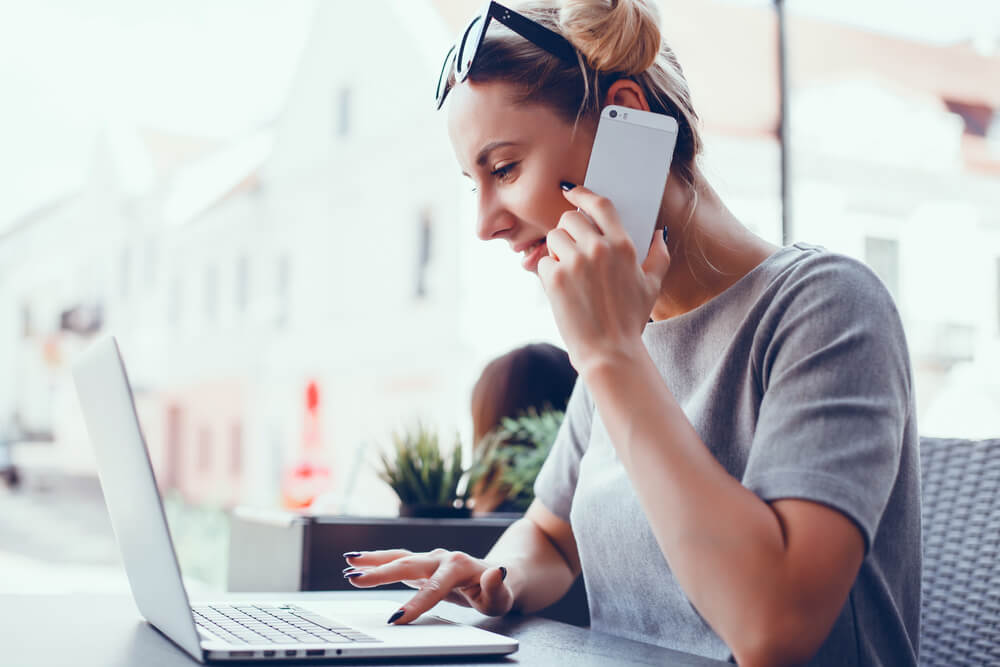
(537, 572)
(723, 543)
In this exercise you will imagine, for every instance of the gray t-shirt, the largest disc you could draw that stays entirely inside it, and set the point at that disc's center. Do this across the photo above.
(798, 380)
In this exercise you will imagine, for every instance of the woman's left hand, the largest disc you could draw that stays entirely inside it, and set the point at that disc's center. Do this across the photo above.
(601, 298)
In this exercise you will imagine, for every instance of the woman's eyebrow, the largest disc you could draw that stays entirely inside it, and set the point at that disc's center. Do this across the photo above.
(484, 153)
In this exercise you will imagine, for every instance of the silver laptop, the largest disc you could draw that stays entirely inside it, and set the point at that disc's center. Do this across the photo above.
(216, 631)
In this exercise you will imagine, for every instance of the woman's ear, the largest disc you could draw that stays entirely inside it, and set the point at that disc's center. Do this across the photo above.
(626, 93)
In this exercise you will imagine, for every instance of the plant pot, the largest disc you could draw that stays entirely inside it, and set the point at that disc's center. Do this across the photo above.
(426, 511)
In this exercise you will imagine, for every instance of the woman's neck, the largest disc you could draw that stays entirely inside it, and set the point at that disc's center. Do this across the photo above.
(709, 248)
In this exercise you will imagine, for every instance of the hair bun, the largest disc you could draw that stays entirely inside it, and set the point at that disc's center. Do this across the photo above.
(613, 35)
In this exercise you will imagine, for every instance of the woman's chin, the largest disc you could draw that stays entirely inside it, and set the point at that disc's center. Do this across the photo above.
(530, 262)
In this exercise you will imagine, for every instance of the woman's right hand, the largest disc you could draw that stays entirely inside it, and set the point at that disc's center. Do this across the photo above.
(438, 575)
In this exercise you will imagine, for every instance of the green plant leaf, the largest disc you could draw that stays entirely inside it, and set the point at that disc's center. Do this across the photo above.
(419, 472)
(513, 454)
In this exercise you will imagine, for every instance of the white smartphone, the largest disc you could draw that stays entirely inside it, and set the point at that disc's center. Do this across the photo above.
(629, 165)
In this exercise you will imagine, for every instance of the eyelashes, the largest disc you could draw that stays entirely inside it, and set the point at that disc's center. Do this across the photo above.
(501, 174)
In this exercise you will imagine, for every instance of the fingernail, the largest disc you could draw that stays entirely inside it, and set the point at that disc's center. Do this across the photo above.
(503, 573)
(566, 185)
(348, 569)
(351, 575)
(664, 234)
(395, 617)
(352, 554)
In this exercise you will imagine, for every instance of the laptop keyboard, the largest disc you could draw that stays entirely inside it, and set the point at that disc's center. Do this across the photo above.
(273, 624)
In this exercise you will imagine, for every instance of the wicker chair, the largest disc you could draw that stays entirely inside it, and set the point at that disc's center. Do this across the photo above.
(960, 614)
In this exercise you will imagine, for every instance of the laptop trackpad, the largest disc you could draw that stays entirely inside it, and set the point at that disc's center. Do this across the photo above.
(370, 616)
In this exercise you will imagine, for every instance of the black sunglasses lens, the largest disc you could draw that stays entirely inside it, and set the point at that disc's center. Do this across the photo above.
(469, 44)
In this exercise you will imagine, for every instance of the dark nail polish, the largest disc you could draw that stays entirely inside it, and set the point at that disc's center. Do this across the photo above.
(503, 573)
(351, 575)
(566, 185)
(395, 617)
(348, 569)
(352, 554)
(664, 234)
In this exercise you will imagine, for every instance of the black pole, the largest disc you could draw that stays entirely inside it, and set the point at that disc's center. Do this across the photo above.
(786, 205)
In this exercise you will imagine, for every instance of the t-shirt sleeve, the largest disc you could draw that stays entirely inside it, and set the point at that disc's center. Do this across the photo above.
(836, 380)
(556, 481)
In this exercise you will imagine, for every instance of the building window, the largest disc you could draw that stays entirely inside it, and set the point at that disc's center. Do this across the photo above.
(424, 238)
(882, 255)
(152, 262)
(283, 290)
(27, 330)
(174, 455)
(211, 293)
(342, 112)
(976, 117)
(236, 450)
(242, 283)
(204, 450)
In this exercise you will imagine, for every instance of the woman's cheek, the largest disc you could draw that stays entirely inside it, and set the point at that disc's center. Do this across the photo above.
(549, 205)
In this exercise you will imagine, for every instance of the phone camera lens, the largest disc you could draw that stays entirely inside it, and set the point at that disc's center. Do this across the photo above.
(613, 113)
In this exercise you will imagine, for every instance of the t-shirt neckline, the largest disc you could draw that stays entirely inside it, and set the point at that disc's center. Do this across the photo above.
(720, 298)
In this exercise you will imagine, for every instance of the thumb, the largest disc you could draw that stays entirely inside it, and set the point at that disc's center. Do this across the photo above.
(658, 260)
(496, 595)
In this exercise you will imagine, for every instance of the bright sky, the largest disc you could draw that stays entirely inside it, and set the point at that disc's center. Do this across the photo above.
(221, 68)
(214, 68)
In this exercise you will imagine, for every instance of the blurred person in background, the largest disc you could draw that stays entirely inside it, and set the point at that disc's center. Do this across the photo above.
(737, 475)
(537, 376)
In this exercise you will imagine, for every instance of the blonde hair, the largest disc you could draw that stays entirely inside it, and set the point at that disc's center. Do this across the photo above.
(615, 39)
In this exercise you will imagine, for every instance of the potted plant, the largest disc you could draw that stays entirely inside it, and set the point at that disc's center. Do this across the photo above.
(509, 459)
(423, 476)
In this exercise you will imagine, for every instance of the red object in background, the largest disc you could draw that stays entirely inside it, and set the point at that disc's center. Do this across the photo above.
(311, 441)
(310, 476)
(312, 397)
(303, 483)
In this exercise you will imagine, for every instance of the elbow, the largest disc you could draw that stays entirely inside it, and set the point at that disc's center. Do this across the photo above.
(777, 644)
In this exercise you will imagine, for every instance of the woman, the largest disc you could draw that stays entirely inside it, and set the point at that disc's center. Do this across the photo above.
(745, 411)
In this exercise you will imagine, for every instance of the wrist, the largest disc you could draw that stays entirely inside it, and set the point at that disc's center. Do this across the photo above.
(610, 361)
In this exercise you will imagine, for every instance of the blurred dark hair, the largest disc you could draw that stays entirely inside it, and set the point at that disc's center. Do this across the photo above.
(537, 375)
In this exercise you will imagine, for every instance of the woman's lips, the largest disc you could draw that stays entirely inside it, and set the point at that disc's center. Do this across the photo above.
(530, 262)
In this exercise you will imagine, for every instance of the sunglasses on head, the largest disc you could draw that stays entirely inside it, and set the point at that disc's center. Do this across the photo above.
(462, 54)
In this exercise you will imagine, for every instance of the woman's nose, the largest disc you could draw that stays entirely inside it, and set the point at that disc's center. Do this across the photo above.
(493, 220)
